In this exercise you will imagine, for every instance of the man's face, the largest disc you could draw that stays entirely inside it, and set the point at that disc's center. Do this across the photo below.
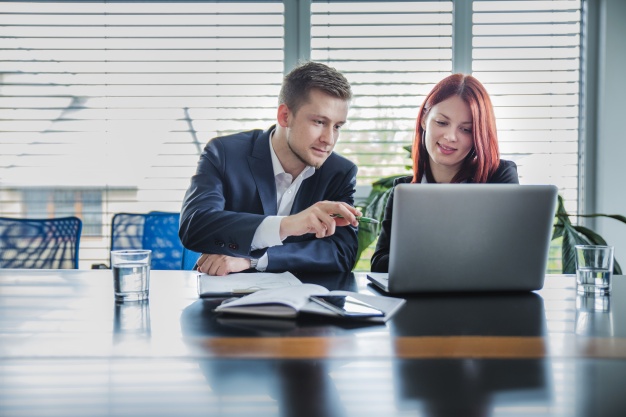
(313, 131)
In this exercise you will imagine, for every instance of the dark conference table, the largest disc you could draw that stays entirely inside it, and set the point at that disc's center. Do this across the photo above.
(67, 349)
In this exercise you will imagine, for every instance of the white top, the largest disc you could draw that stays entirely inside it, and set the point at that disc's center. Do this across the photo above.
(268, 232)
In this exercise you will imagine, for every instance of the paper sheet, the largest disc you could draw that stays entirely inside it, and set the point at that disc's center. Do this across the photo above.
(243, 283)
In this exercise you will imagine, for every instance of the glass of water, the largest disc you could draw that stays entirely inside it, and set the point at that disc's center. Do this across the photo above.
(131, 274)
(594, 269)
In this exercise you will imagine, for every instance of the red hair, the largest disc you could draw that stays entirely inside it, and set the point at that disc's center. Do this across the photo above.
(484, 159)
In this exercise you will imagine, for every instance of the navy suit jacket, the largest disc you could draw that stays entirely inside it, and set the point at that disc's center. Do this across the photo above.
(234, 189)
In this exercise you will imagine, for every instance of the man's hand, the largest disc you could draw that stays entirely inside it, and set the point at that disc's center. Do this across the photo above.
(221, 264)
(319, 219)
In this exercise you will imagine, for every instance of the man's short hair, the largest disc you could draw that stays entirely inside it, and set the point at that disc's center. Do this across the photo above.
(312, 75)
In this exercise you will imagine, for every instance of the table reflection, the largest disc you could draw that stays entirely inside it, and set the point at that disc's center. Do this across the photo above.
(287, 387)
(507, 314)
(131, 321)
(599, 388)
(470, 386)
(594, 316)
(295, 387)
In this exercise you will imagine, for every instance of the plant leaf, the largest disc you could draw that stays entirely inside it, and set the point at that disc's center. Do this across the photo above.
(561, 214)
(596, 239)
(558, 231)
(384, 183)
(365, 238)
(618, 217)
(571, 238)
(593, 237)
(374, 207)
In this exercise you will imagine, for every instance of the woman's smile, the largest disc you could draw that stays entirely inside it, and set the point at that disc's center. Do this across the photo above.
(446, 150)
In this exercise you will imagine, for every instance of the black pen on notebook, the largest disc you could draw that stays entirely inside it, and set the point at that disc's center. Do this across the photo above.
(359, 219)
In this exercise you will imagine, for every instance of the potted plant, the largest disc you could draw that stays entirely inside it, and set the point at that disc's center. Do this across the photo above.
(573, 234)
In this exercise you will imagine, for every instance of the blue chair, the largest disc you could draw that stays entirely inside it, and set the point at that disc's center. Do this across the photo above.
(189, 259)
(40, 243)
(157, 231)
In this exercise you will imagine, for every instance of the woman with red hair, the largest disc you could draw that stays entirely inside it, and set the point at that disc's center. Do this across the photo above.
(455, 142)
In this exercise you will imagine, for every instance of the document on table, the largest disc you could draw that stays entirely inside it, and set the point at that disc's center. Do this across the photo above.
(243, 283)
(290, 302)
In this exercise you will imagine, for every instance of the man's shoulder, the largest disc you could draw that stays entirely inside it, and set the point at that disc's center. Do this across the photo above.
(238, 145)
(337, 161)
(239, 138)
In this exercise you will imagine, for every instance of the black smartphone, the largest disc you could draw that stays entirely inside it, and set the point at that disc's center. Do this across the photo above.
(347, 306)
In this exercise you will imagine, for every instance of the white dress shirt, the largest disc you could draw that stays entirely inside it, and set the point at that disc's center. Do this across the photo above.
(268, 232)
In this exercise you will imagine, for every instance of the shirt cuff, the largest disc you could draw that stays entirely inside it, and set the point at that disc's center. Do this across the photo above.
(261, 266)
(267, 235)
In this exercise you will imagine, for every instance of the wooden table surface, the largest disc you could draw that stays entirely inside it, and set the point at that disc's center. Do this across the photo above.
(68, 349)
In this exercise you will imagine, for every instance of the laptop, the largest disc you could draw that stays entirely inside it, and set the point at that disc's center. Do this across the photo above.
(468, 237)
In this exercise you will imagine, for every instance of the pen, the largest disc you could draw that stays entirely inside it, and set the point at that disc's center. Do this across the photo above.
(359, 219)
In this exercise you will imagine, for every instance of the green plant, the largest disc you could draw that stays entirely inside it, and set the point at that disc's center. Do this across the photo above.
(374, 207)
(572, 235)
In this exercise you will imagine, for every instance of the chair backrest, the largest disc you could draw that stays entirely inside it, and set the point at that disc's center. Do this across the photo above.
(189, 259)
(40, 243)
(157, 231)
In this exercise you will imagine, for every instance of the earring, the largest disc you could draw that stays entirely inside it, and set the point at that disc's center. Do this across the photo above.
(424, 139)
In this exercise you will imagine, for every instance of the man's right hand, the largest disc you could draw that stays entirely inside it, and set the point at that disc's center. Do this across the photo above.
(213, 264)
(318, 219)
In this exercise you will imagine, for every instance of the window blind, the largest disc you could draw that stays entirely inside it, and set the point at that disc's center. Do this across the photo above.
(105, 106)
(393, 53)
(527, 53)
(118, 99)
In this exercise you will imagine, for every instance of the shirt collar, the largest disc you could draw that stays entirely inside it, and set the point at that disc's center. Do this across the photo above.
(278, 167)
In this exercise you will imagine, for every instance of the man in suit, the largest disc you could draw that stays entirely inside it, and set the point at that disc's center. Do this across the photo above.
(269, 200)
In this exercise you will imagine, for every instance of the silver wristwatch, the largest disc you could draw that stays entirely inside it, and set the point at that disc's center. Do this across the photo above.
(253, 263)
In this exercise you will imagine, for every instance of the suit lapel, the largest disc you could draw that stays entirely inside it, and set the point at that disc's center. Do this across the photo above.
(306, 194)
(260, 163)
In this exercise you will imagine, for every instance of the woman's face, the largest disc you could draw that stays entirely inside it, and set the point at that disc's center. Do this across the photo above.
(448, 137)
